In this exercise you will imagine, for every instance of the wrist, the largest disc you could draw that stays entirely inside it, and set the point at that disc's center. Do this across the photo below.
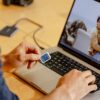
(61, 93)
(67, 92)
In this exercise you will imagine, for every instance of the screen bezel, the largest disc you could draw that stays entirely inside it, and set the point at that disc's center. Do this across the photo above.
(75, 52)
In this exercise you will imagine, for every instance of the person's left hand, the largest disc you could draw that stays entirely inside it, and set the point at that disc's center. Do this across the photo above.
(25, 53)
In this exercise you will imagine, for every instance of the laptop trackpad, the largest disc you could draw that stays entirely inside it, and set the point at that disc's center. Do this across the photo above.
(93, 96)
(42, 77)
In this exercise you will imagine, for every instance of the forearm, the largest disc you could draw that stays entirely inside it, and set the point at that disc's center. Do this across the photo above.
(59, 93)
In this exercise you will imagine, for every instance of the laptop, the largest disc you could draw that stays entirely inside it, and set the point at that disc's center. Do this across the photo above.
(65, 57)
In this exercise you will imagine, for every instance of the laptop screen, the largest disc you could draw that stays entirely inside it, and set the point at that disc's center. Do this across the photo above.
(81, 34)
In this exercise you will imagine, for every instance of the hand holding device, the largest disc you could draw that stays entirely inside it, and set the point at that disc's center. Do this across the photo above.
(25, 53)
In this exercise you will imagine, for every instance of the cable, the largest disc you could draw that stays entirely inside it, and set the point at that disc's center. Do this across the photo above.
(33, 22)
(34, 33)
(35, 38)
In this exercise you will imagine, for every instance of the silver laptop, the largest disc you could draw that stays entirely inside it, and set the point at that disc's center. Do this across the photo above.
(69, 54)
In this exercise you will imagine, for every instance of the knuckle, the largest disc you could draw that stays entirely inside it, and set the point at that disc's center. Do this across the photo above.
(94, 87)
(89, 72)
(75, 70)
(20, 50)
(31, 56)
(94, 77)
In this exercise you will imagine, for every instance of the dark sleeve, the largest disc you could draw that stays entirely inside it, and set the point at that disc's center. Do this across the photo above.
(5, 93)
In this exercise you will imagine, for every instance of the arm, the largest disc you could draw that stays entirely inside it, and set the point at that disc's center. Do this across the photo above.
(58, 94)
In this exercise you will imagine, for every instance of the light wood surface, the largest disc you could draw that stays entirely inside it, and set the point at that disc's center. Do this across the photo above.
(51, 14)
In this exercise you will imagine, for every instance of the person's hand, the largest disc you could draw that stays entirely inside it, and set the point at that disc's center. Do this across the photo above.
(25, 53)
(78, 84)
(73, 86)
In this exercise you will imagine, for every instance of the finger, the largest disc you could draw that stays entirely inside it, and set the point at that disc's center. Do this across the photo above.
(75, 71)
(86, 74)
(28, 46)
(31, 57)
(31, 64)
(91, 79)
(20, 50)
(92, 88)
(36, 50)
(31, 47)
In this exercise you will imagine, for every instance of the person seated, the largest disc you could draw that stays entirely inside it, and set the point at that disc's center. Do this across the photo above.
(72, 86)
(95, 42)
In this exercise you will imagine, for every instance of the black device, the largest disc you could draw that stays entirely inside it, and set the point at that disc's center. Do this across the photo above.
(17, 2)
(8, 31)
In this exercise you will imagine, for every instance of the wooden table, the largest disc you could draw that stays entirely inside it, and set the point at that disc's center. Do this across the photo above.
(51, 14)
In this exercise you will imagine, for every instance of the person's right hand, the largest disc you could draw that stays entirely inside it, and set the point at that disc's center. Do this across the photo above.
(77, 84)
(25, 53)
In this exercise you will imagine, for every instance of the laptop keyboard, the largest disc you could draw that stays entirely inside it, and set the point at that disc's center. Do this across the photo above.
(62, 64)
